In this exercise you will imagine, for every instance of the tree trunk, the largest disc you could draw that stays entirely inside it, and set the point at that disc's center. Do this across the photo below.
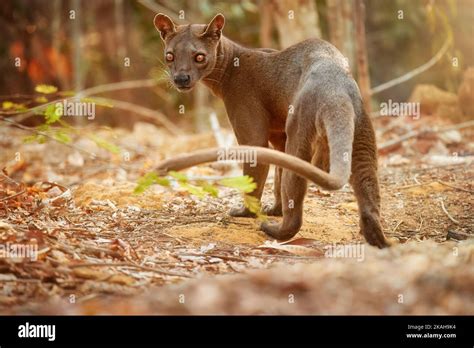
(296, 20)
(266, 25)
(341, 28)
(362, 62)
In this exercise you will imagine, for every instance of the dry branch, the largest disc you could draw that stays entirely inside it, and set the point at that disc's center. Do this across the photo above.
(409, 75)
(109, 87)
(72, 146)
(150, 115)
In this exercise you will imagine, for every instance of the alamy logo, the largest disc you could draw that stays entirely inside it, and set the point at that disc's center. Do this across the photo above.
(75, 107)
(239, 155)
(37, 331)
(353, 251)
(21, 251)
(402, 109)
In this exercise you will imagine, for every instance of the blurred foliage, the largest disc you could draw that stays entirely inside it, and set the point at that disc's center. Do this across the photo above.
(396, 46)
(40, 34)
(54, 126)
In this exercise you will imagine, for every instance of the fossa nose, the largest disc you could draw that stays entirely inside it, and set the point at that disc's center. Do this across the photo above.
(182, 80)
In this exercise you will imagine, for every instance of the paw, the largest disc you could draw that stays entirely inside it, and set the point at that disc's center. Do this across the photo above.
(372, 231)
(274, 210)
(275, 230)
(241, 212)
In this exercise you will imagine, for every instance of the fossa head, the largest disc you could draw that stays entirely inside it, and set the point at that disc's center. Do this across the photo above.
(190, 50)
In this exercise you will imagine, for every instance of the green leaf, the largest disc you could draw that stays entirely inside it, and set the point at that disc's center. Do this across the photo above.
(7, 105)
(194, 190)
(30, 139)
(52, 113)
(242, 183)
(162, 181)
(62, 137)
(67, 93)
(104, 144)
(211, 189)
(41, 99)
(46, 89)
(43, 127)
(253, 204)
(39, 138)
(182, 178)
(150, 179)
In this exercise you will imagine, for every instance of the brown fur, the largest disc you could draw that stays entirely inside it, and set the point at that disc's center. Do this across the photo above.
(301, 100)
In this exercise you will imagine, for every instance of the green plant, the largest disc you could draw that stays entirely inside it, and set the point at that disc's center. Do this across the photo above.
(201, 188)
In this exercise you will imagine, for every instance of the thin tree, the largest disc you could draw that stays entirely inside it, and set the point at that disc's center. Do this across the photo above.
(361, 52)
(295, 20)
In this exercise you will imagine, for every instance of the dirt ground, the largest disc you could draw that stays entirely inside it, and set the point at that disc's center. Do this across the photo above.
(103, 249)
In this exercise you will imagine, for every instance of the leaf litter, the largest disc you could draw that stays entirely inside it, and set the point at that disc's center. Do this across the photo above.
(97, 243)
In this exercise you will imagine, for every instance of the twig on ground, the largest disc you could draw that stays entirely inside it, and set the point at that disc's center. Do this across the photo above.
(414, 134)
(3, 173)
(127, 264)
(396, 227)
(436, 181)
(12, 196)
(415, 178)
(447, 213)
(455, 187)
(224, 257)
(419, 226)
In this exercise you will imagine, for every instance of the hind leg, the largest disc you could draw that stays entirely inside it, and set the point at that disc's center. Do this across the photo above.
(293, 187)
(365, 184)
(321, 154)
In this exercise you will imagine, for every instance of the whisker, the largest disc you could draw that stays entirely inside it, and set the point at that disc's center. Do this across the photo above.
(161, 62)
(213, 80)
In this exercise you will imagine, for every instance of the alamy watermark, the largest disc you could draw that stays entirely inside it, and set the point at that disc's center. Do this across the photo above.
(28, 330)
(75, 107)
(238, 155)
(353, 251)
(19, 251)
(392, 108)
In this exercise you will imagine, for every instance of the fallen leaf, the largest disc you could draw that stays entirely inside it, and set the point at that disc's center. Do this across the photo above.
(121, 279)
(292, 249)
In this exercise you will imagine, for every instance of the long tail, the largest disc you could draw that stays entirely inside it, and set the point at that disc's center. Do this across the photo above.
(263, 156)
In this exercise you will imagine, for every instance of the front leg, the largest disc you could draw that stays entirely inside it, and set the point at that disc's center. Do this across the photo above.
(251, 128)
(259, 174)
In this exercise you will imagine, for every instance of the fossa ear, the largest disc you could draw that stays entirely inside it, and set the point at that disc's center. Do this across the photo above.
(215, 26)
(164, 25)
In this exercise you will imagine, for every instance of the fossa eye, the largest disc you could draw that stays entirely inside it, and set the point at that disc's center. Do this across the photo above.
(169, 57)
(200, 58)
